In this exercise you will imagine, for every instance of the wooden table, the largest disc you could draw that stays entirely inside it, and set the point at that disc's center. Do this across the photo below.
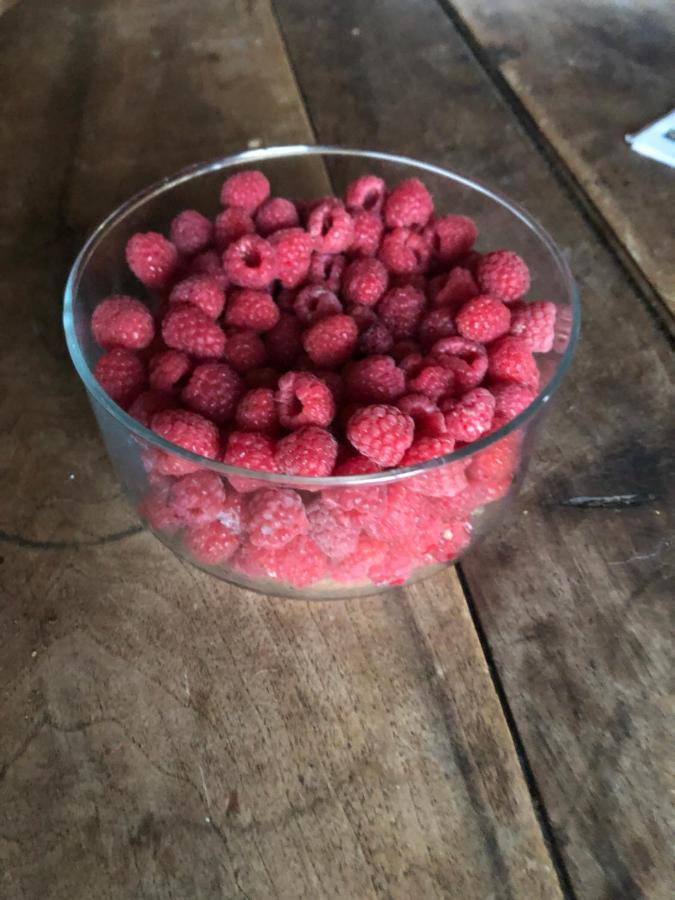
(503, 731)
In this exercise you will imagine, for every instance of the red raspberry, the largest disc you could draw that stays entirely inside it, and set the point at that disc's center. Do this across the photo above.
(365, 194)
(274, 516)
(368, 230)
(354, 568)
(443, 481)
(283, 341)
(331, 226)
(471, 417)
(213, 391)
(197, 498)
(503, 274)
(248, 450)
(432, 380)
(331, 341)
(300, 563)
(121, 374)
(326, 269)
(122, 321)
(206, 263)
(364, 281)
(187, 430)
(453, 289)
(437, 324)
(374, 380)
(257, 411)
(453, 237)
(332, 380)
(455, 538)
(187, 328)
(535, 323)
(364, 316)
(152, 259)
(408, 520)
(375, 340)
(404, 252)
(293, 248)
(364, 502)
(510, 359)
(484, 319)
(147, 404)
(276, 214)
(408, 205)
(401, 310)
(252, 309)
(230, 225)
(167, 368)
(203, 291)
(155, 510)
(334, 530)
(497, 463)
(402, 349)
(248, 190)
(428, 418)
(394, 567)
(250, 262)
(212, 544)
(511, 399)
(315, 302)
(382, 433)
(308, 451)
(245, 350)
(191, 232)
(467, 359)
(304, 399)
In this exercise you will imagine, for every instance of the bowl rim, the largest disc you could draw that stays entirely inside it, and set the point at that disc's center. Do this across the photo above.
(263, 154)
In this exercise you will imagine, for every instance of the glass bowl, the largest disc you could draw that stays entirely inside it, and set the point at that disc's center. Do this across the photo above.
(411, 521)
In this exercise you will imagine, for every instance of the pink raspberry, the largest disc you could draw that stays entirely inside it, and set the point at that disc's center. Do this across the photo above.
(300, 563)
(147, 404)
(167, 368)
(187, 430)
(187, 328)
(315, 302)
(248, 190)
(467, 360)
(496, 463)
(382, 433)
(455, 538)
(401, 310)
(511, 399)
(293, 249)
(443, 481)
(326, 269)
(274, 516)
(368, 229)
(155, 510)
(364, 502)
(252, 309)
(331, 341)
(283, 341)
(308, 451)
(394, 567)
(121, 321)
(535, 323)
(331, 226)
(364, 281)
(203, 291)
(374, 380)
(249, 450)
(250, 262)
(257, 411)
(437, 324)
(152, 259)
(375, 340)
(213, 391)
(408, 205)
(212, 543)
(364, 316)
(245, 350)
(276, 214)
(453, 237)
(453, 289)
(429, 420)
(354, 568)
(334, 530)
(198, 497)
(431, 379)
(510, 359)
(484, 319)
(121, 374)
(470, 417)
(191, 232)
(206, 263)
(365, 194)
(230, 225)
(404, 252)
(409, 519)
(503, 274)
(304, 399)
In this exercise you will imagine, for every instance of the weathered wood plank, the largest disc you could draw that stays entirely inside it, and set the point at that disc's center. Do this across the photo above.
(575, 602)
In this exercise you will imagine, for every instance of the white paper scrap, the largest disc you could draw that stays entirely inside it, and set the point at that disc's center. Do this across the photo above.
(657, 141)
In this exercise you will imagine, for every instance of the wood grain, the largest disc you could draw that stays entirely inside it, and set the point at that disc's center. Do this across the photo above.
(575, 599)
(163, 735)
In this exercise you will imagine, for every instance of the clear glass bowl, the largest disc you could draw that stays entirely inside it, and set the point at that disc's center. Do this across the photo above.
(436, 510)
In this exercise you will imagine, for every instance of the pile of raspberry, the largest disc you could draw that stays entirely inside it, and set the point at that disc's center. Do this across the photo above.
(340, 337)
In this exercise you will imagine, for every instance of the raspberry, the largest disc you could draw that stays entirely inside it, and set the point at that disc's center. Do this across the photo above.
(503, 274)
(444, 481)
(368, 230)
(453, 237)
(428, 418)
(535, 323)
(331, 341)
(121, 374)
(364, 316)
(334, 530)
(471, 417)
(364, 281)
(308, 451)
(511, 399)
(304, 399)
(401, 310)
(467, 360)
(147, 404)
(411, 363)
(248, 190)
(155, 510)
(252, 309)
(274, 516)
(326, 269)
(437, 324)
(364, 502)
(121, 321)
(249, 450)
(409, 519)
(250, 262)
(402, 349)
(191, 232)
(404, 252)
(202, 291)
(245, 350)
(283, 341)
(257, 411)
(206, 263)
(374, 380)
(455, 537)
(354, 568)
(300, 563)
(432, 380)
(375, 340)
(293, 248)
(365, 194)
(315, 302)
(212, 544)
(408, 205)
(510, 359)
(497, 462)
(484, 319)
(198, 497)
(167, 368)
(394, 567)
(331, 226)
(213, 391)
(187, 430)
(274, 215)
(187, 328)
(453, 289)
(382, 433)
(230, 225)
(332, 380)
(152, 259)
